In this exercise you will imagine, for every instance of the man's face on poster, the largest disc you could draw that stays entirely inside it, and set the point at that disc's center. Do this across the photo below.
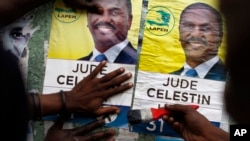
(16, 35)
(14, 40)
(200, 35)
(110, 27)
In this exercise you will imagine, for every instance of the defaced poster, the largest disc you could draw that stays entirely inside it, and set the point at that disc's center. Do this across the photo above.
(181, 61)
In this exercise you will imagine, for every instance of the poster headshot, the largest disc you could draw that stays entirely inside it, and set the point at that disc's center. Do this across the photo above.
(200, 35)
(84, 35)
(167, 33)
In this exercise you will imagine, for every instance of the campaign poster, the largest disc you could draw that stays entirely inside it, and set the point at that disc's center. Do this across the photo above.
(78, 35)
(180, 35)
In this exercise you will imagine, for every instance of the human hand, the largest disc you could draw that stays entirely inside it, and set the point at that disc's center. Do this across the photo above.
(89, 94)
(192, 125)
(57, 133)
(89, 5)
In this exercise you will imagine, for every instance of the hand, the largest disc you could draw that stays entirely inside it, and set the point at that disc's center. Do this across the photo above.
(88, 95)
(89, 5)
(191, 125)
(57, 133)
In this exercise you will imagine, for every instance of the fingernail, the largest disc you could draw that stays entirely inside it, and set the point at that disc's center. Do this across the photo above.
(112, 131)
(130, 84)
(103, 62)
(122, 69)
(168, 105)
(164, 117)
(117, 111)
(129, 74)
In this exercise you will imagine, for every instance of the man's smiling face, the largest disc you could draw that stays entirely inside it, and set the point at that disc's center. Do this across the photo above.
(110, 27)
(199, 34)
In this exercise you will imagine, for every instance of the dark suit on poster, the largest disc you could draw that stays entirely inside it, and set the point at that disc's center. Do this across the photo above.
(217, 72)
(127, 56)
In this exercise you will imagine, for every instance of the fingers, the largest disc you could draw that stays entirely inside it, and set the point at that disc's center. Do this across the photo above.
(178, 108)
(172, 122)
(89, 5)
(99, 67)
(58, 123)
(108, 76)
(116, 90)
(116, 81)
(111, 81)
(112, 84)
(112, 75)
(175, 107)
(94, 8)
(79, 133)
(169, 119)
(107, 134)
(88, 128)
(178, 112)
(107, 110)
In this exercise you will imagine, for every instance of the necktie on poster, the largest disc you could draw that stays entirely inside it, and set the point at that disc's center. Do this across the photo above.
(100, 57)
(192, 73)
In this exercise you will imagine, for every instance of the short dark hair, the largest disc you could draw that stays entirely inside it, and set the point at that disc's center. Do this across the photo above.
(200, 5)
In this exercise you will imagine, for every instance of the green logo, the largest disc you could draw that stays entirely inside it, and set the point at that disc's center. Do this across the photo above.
(159, 21)
(67, 15)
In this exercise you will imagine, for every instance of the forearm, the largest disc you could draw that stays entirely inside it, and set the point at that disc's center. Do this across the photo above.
(10, 10)
(47, 104)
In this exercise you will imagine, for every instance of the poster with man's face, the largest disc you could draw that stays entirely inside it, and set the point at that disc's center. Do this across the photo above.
(78, 37)
(182, 56)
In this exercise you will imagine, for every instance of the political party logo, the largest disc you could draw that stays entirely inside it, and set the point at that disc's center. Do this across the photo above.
(159, 21)
(66, 15)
